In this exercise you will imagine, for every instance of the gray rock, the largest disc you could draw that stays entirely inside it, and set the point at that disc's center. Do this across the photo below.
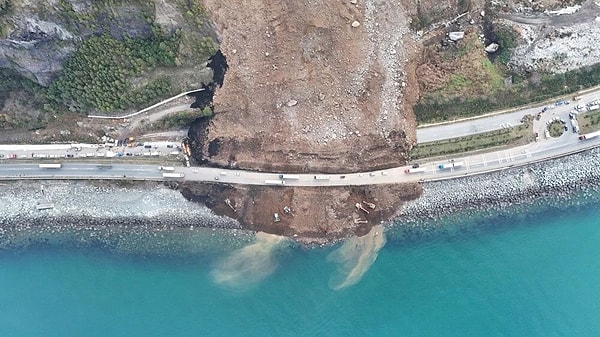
(455, 36)
(492, 48)
(37, 48)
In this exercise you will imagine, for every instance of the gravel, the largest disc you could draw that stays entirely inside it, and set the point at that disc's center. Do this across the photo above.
(560, 183)
(140, 218)
(560, 50)
(150, 218)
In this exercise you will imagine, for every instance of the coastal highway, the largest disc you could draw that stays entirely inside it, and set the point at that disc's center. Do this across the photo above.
(430, 133)
(74, 168)
(81, 171)
(473, 164)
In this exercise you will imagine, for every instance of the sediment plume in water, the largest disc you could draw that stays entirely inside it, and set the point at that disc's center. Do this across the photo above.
(249, 265)
(355, 257)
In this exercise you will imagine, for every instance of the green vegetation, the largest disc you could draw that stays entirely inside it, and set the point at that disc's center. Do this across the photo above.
(434, 108)
(493, 73)
(198, 45)
(507, 39)
(589, 121)
(26, 91)
(10, 81)
(513, 136)
(97, 75)
(177, 120)
(458, 82)
(420, 21)
(556, 129)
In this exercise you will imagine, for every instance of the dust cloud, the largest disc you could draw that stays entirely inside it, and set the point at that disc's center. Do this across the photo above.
(355, 256)
(249, 265)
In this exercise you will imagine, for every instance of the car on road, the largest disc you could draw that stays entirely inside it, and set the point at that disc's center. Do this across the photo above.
(170, 146)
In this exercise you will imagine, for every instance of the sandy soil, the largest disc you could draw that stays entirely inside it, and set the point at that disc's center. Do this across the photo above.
(317, 215)
(311, 86)
(306, 90)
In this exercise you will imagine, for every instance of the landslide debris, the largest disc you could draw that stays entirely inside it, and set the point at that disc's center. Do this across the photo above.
(308, 214)
(311, 86)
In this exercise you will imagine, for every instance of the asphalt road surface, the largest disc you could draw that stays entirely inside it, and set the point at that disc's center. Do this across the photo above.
(543, 149)
(473, 164)
(495, 122)
(81, 171)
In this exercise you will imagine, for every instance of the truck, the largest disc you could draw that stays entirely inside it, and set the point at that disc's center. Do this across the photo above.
(322, 177)
(50, 166)
(289, 176)
(166, 168)
(593, 107)
(274, 182)
(415, 170)
(172, 175)
(450, 165)
(575, 125)
(588, 136)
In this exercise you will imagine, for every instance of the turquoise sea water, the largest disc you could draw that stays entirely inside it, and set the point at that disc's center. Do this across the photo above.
(536, 275)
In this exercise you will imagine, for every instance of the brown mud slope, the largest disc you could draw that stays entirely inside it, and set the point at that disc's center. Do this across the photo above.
(311, 86)
(317, 214)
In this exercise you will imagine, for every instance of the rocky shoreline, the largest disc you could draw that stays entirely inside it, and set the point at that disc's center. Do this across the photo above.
(141, 218)
(560, 184)
(156, 219)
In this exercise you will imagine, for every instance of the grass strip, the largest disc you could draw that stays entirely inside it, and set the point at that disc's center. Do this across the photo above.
(515, 135)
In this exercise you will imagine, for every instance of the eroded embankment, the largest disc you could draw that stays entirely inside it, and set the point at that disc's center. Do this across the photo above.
(308, 214)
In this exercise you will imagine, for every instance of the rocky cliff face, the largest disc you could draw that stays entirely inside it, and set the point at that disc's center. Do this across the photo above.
(32, 50)
(37, 36)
